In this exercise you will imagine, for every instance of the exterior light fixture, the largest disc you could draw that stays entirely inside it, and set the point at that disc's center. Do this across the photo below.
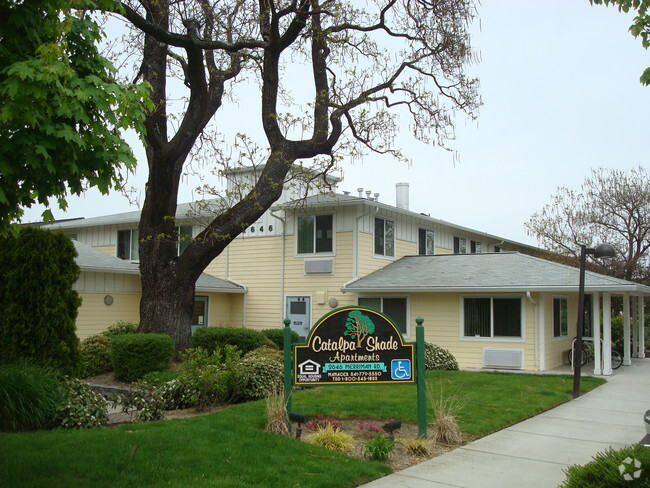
(299, 419)
(601, 251)
(391, 427)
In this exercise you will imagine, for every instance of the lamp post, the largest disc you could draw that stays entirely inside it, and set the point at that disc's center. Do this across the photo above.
(601, 251)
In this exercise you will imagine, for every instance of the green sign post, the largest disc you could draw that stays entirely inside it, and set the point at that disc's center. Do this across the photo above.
(356, 345)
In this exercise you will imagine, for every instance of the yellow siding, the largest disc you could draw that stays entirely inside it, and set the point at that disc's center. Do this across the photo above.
(556, 348)
(110, 250)
(442, 312)
(368, 262)
(443, 250)
(94, 316)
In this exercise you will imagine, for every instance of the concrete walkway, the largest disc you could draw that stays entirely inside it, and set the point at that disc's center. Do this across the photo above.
(535, 452)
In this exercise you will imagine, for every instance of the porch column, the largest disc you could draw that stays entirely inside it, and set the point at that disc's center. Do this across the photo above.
(641, 327)
(595, 314)
(607, 334)
(634, 324)
(627, 356)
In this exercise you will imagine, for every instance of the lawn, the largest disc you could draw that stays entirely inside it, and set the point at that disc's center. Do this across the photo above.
(229, 449)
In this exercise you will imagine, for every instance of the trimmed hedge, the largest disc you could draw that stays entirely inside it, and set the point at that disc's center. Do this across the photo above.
(134, 355)
(277, 336)
(212, 338)
(96, 355)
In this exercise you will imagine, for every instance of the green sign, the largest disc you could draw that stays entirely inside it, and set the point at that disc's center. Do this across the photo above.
(354, 345)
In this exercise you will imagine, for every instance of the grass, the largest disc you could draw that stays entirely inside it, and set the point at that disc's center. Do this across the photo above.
(230, 448)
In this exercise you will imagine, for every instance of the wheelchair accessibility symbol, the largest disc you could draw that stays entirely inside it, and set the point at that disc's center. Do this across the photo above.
(400, 369)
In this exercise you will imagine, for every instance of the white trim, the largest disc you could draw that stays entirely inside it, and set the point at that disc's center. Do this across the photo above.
(595, 328)
(522, 324)
(607, 334)
(311, 306)
(627, 356)
(383, 256)
(542, 329)
(641, 328)
(566, 299)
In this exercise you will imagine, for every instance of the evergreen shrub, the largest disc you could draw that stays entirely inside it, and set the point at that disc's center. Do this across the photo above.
(96, 355)
(277, 336)
(120, 327)
(134, 355)
(212, 338)
(38, 303)
(435, 357)
(29, 397)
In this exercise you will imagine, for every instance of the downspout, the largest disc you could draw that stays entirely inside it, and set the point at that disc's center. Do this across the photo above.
(536, 344)
(282, 249)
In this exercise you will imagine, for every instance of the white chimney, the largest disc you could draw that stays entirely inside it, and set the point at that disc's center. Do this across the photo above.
(402, 197)
(360, 190)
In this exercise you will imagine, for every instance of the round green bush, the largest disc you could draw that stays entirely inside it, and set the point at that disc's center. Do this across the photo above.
(261, 374)
(435, 357)
(29, 397)
(134, 355)
(82, 407)
(96, 355)
(277, 336)
(212, 338)
(120, 327)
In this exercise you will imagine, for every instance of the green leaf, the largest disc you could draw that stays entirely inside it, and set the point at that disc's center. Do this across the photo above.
(645, 77)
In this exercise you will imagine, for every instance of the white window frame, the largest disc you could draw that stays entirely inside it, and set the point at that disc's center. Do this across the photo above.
(462, 243)
(206, 319)
(493, 338)
(374, 248)
(428, 232)
(566, 302)
(117, 245)
(407, 333)
(477, 245)
(297, 239)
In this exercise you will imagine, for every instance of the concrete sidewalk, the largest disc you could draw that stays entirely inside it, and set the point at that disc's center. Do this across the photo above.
(535, 452)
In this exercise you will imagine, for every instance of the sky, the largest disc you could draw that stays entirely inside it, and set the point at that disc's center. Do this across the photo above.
(559, 81)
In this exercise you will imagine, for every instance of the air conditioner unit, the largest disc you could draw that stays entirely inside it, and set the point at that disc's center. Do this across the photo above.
(319, 266)
(503, 358)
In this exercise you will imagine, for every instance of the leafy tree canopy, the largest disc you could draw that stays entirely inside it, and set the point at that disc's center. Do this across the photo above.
(613, 206)
(61, 112)
(640, 26)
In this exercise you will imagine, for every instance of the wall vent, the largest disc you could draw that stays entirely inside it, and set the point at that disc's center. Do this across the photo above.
(319, 266)
(503, 358)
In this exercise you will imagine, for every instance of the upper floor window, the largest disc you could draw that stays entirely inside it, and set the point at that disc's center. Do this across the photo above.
(384, 237)
(475, 247)
(460, 245)
(560, 317)
(425, 242)
(127, 244)
(315, 234)
(492, 317)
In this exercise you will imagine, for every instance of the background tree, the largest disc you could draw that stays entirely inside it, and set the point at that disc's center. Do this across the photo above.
(38, 304)
(61, 112)
(640, 26)
(612, 206)
(358, 70)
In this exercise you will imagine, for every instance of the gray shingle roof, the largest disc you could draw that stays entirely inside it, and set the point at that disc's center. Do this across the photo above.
(488, 272)
(93, 260)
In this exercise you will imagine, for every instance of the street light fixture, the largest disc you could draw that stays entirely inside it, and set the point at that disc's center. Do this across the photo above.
(601, 251)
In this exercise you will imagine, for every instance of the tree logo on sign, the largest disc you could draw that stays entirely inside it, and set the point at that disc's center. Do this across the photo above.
(358, 326)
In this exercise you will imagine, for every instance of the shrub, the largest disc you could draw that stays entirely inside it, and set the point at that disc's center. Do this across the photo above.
(119, 328)
(95, 355)
(276, 413)
(435, 357)
(604, 471)
(331, 438)
(134, 355)
(260, 375)
(368, 430)
(445, 407)
(417, 446)
(211, 338)
(147, 403)
(39, 305)
(29, 397)
(380, 446)
(277, 336)
(159, 378)
(82, 408)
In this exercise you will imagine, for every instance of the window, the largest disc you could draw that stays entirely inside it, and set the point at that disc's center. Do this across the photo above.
(560, 318)
(498, 249)
(127, 244)
(200, 313)
(492, 317)
(460, 245)
(425, 242)
(184, 237)
(475, 247)
(384, 237)
(394, 308)
(315, 234)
